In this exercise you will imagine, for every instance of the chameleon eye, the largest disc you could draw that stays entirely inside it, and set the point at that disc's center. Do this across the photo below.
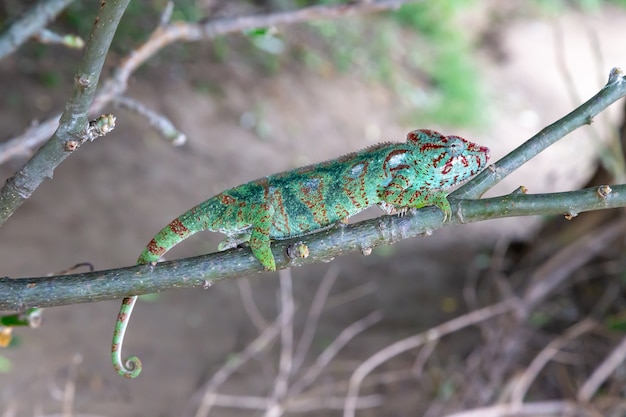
(456, 146)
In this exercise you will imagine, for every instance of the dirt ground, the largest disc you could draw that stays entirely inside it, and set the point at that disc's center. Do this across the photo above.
(107, 200)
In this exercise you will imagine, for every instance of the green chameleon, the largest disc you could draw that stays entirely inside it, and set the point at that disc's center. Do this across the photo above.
(394, 176)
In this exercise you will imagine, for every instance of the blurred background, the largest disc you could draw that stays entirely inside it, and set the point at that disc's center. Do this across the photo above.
(265, 100)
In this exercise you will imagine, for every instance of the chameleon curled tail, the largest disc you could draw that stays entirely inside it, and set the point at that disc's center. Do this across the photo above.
(165, 239)
(395, 176)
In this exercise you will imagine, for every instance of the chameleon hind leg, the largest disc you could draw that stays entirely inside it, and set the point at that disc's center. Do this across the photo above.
(257, 236)
(261, 220)
(131, 367)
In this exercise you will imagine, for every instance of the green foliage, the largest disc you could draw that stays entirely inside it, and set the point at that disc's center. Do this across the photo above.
(621, 3)
(419, 51)
(457, 98)
(556, 6)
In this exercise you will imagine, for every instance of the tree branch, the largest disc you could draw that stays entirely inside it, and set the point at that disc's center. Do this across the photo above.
(204, 271)
(73, 125)
(186, 32)
(614, 89)
(33, 21)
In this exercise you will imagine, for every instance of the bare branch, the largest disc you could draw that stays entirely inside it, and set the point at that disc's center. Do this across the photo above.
(161, 123)
(250, 306)
(208, 399)
(332, 350)
(73, 125)
(525, 380)
(583, 115)
(187, 32)
(541, 408)
(285, 363)
(70, 41)
(33, 21)
(202, 271)
(602, 372)
(415, 341)
(561, 265)
(313, 316)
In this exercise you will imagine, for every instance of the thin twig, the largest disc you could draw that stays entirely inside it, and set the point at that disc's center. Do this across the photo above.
(417, 340)
(298, 405)
(158, 121)
(614, 89)
(187, 32)
(315, 311)
(541, 408)
(332, 350)
(229, 367)
(250, 306)
(560, 266)
(351, 294)
(602, 372)
(50, 37)
(73, 125)
(38, 17)
(285, 362)
(525, 380)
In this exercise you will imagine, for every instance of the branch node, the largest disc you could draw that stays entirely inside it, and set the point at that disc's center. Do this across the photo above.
(298, 250)
(520, 190)
(70, 145)
(82, 82)
(616, 75)
(100, 126)
(603, 191)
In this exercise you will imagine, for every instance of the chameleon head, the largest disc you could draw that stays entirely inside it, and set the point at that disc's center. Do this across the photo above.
(451, 159)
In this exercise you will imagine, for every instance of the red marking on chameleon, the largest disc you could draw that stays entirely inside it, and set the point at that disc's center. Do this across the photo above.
(342, 213)
(226, 199)
(178, 228)
(280, 214)
(428, 146)
(156, 249)
(437, 160)
(356, 192)
(446, 169)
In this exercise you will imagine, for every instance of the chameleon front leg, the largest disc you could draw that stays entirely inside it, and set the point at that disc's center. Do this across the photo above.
(400, 194)
(131, 367)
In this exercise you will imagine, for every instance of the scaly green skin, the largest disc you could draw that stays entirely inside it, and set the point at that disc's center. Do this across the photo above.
(394, 176)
